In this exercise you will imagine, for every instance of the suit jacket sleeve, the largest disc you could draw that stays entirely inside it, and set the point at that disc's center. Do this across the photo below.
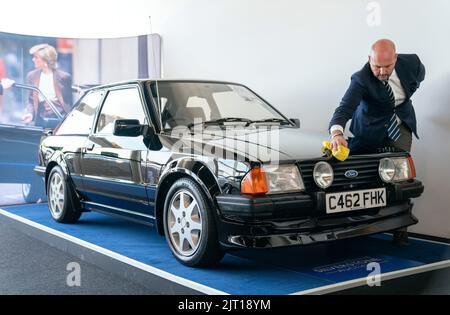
(349, 103)
(420, 72)
(1, 89)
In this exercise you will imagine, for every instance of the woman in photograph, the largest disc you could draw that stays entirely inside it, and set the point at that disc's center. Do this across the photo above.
(55, 84)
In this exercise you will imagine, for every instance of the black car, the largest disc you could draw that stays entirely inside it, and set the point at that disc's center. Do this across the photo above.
(20, 144)
(215, 167)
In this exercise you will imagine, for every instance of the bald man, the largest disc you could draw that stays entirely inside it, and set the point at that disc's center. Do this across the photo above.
(378, 101)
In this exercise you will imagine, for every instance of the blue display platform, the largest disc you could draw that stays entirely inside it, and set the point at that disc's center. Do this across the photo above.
(315, 269)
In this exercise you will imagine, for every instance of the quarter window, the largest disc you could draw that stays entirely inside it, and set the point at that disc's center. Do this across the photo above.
(80, 120)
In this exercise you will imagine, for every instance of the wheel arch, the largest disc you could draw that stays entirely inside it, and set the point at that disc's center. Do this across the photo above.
(195, 170)
(56, 160)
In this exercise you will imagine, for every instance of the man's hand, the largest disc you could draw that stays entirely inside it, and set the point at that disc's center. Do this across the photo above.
(338, 139)
(7, 83)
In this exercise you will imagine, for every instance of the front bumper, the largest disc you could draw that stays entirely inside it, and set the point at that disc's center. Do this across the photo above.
(300, 219)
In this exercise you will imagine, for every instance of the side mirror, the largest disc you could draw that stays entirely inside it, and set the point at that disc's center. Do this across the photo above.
(295, 121)
(127, 128)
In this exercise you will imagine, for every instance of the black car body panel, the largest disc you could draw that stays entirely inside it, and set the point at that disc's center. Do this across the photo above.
(130, 177)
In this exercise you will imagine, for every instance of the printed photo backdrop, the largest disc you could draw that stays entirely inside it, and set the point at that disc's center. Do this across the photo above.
(79, 64)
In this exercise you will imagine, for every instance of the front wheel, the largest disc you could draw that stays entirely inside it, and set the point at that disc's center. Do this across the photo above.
(189, 225)
(62, 200)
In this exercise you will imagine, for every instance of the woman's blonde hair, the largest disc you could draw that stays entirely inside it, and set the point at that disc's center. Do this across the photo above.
(47, 53)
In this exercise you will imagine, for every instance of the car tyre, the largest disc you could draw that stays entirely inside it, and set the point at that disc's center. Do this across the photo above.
(189, 225)
(62, 200)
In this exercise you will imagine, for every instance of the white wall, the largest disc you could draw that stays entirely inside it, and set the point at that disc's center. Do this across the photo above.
(299, 55)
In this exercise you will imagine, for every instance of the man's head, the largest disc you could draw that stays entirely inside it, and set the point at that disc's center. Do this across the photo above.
(44, 55)
(382, 58)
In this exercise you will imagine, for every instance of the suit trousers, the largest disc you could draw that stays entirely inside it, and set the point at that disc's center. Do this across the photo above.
(403, 142)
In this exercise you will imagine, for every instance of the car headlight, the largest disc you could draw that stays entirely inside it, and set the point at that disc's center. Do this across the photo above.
(396, 169)
(323, 174)
(283, 178)
(272, 179)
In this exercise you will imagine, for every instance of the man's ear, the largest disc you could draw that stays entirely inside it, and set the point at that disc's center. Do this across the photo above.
(369, 60)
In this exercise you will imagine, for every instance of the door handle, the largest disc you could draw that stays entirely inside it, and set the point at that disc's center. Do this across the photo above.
(90, 146)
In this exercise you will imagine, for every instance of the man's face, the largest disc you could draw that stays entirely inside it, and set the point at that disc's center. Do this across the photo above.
(382, 65)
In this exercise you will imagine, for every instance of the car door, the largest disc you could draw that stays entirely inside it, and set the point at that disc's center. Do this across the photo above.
(113, 167)
(74, 130)
(19, 144)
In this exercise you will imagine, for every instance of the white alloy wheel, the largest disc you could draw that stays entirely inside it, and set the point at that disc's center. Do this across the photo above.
(185, 223)
(56, 195)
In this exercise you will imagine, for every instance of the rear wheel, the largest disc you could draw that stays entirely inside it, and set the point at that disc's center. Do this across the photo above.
(62, 200)
(189, 225)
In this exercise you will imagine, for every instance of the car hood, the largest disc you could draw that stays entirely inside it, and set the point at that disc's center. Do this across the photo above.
(255, 144)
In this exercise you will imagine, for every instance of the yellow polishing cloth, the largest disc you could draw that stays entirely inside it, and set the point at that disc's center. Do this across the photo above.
(341, 153)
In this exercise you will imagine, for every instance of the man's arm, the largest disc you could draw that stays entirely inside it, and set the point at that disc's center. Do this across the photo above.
(344, 112)
(6, 84)
(420, 70)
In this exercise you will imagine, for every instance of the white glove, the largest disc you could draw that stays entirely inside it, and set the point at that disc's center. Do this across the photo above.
(7, 83)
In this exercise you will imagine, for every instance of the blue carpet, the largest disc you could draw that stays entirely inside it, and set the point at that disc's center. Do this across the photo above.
(275, 271)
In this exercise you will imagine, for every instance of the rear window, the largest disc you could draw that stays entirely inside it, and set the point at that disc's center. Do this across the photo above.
(81, 119)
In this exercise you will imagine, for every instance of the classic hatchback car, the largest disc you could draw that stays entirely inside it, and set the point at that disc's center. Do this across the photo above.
(215, 167)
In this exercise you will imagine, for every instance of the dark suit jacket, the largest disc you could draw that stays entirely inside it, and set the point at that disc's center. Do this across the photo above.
(63, 88)
(367, 103)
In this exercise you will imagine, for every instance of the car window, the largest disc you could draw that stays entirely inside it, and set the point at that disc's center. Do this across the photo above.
(80, 120)
(230, 103)
(184, 103)
(120, 104)
(199, 107)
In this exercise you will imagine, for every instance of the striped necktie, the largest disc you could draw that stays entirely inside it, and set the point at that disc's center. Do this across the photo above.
(393, 129)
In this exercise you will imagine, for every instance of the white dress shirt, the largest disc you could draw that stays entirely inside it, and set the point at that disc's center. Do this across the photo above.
(47, 86)
(399, 94)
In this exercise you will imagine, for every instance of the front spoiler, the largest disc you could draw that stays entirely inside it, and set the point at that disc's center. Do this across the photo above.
(326, 234)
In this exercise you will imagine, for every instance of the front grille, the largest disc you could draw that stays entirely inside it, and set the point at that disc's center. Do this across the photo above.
(367, 169)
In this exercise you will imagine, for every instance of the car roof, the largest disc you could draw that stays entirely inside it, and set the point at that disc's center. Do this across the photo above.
(142, 81)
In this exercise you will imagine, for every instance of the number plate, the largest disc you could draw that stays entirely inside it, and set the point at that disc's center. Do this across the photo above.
(356, 200)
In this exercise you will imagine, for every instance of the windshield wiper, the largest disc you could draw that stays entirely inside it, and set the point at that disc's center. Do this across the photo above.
(220, 121)
(278, 120)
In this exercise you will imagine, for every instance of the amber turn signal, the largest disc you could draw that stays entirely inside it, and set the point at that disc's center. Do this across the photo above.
(412, 167)
(255, 182)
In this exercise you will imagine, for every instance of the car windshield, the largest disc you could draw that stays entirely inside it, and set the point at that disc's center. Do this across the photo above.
(198, 103)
